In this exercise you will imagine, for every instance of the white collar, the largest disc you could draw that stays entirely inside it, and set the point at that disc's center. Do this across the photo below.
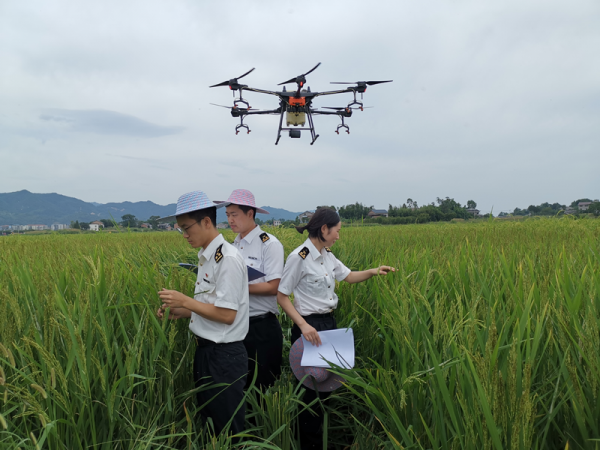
(211, 248)
(250, 236)
(312, 250)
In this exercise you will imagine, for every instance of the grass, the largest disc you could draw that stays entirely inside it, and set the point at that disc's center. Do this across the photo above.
(487, 337)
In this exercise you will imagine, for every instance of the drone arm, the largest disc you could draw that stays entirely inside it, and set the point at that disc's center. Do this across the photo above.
(271, 111)
(325, 113)
(260, 91)
(318, 94)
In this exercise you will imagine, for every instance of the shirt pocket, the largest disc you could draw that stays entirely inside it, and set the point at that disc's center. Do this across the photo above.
(255, 263)
(317, 286)
(204, 288)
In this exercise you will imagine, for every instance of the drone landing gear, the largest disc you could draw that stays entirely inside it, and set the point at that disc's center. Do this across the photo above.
(295, 132)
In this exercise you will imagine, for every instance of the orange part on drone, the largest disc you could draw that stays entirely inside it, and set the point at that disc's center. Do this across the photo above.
(295, 101)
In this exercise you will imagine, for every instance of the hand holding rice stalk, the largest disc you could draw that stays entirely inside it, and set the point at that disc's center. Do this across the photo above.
(384, 270)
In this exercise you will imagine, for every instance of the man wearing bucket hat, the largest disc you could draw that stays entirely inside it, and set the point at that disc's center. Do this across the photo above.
(218, 312)
(263, 252)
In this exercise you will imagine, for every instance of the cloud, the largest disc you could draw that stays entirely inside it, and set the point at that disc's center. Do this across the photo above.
(106, 122)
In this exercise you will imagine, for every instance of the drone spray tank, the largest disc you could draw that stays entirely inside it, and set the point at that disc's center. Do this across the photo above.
(295, 113)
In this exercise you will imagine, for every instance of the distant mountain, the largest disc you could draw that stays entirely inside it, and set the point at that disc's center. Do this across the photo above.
(275, 213)
(24, 207)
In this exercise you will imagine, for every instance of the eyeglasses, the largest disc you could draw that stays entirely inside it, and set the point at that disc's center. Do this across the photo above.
(185, 230)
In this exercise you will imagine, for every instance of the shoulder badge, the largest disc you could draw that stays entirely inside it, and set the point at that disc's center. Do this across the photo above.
(304, 253)
(328, 249)
(264, 237)
(219, 253)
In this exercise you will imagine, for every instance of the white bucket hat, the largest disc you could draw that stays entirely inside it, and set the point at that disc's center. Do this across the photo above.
(192, 201)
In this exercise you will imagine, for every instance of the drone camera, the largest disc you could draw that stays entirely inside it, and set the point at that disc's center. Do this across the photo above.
(295, 134)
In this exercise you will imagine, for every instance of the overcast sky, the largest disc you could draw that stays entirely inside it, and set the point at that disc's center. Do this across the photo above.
(498, 102)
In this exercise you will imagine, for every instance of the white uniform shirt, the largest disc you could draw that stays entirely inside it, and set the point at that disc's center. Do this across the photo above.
(311, 276)
(222, 281)
(263, 252)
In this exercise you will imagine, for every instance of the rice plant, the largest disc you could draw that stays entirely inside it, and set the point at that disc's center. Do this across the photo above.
(486, 337)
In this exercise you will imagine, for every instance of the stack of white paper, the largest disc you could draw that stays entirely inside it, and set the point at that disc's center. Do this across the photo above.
(337, 348)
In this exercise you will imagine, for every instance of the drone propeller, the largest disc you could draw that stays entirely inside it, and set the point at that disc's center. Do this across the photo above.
(233, 81)
(339, 108)
(300, 79)
(363, 83)
(234, 107)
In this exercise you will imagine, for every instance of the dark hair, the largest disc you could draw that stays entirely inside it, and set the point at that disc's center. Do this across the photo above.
(323, 216)
(200, 214)
(246, 208)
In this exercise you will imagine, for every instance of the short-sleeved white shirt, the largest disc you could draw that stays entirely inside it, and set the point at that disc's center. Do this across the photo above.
(311, 276)
(263, 252)
(222, 281)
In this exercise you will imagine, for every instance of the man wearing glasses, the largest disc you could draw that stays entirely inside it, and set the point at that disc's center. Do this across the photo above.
(218, 312)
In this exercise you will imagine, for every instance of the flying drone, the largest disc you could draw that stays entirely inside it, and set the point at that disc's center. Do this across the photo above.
(296, 105)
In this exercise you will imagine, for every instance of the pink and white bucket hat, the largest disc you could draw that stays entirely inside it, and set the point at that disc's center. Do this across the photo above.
(319, 378)
(192, 201)
(242, 197)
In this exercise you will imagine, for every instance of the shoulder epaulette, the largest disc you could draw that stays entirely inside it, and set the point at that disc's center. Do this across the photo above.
(304, 252)
(264, 237)
(219, 253)
(328, 249)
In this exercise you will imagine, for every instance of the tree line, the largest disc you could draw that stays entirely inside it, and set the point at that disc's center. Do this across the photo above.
(552, 209)
(443, 209)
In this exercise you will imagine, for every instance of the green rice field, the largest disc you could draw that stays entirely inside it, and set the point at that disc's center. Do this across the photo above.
(488, 337)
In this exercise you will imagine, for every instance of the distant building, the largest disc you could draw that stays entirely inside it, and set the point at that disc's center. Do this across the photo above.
(305, 216)
(165, 226)
(146, 225)
(583, 206)
(96, 225)
(473, 212)
(37, 227)
(58, 226)
(377, 213)
(276, 222)
(222, 226)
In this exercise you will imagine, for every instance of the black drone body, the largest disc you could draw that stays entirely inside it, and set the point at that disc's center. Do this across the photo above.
(296, 105)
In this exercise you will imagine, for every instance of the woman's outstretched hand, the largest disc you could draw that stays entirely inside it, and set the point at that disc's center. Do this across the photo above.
(384, 270)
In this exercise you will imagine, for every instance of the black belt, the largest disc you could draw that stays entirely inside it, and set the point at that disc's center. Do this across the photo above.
(261, 317)
(320, 316)
(201, 342)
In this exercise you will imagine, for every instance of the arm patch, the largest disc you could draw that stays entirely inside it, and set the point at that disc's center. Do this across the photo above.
(264, 237)
(219, 254)
(304, 252)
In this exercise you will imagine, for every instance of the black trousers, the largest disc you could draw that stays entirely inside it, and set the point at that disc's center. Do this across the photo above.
(222, 363)
(264, 344)
(311, 426)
